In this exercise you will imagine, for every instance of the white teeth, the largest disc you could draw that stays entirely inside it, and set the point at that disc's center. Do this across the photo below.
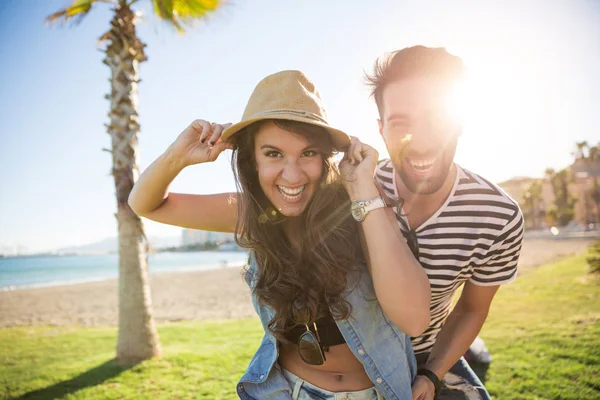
(291, 193)
(422, 165)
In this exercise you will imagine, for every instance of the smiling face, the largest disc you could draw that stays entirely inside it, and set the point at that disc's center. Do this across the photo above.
(420, 133)
(289, 168)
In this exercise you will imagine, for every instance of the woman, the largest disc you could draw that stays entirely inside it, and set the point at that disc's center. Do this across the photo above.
(333, 326)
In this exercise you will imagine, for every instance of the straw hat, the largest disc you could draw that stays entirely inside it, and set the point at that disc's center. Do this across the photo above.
(288, 95)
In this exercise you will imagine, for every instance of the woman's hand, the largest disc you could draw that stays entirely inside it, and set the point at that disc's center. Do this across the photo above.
(198, 143)
(357, 169)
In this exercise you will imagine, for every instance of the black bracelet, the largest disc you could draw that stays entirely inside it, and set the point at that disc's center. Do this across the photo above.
(432, 377)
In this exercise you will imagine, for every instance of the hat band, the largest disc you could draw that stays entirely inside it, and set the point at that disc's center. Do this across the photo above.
(305, 114)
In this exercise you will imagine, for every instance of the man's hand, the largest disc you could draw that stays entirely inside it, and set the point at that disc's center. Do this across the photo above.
(423, 389)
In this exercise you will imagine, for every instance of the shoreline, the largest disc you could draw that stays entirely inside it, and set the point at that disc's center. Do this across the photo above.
(184, 269)
(175, 296)
(201, 294)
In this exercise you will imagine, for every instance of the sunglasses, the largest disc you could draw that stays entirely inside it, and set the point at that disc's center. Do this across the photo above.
(309, 346)
(411, 236)
(413, 243)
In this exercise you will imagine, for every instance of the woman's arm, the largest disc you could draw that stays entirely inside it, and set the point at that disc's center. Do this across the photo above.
(150, 197)
(400, 283)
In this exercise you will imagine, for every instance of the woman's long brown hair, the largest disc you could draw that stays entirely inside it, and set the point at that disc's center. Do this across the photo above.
(309, 281)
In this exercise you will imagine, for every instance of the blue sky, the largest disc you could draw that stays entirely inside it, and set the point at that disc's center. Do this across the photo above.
(535, 90)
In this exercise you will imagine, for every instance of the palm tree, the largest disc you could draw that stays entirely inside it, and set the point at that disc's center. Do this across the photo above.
(138, 339)
(531, 203)
(590, 156)
(563, 210)
(594, 158)
(580, 150)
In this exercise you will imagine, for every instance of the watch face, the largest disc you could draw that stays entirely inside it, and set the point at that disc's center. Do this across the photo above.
(357, 211)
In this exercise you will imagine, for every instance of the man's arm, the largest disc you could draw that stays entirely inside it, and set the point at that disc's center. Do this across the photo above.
(461, 327)
(469, 314)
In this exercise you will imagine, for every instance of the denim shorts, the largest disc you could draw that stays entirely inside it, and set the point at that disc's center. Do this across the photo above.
(460, 383)
(302, 390)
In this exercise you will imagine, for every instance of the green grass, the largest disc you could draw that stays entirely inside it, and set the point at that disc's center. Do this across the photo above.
(544, 335)
(201, 361)
(543, 332)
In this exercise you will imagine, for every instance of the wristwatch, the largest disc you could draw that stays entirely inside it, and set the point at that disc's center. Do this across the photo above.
(360, 209)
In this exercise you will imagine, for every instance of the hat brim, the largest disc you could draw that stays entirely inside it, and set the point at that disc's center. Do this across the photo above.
(340, 139)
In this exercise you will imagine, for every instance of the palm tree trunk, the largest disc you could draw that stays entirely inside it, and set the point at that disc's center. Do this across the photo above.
(138, 339)
(596, 197)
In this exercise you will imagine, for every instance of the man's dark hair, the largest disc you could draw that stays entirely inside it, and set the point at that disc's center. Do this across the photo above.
(413, 62)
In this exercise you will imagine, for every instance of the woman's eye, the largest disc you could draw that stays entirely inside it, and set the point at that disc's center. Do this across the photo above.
(310, 153)
(273, 154)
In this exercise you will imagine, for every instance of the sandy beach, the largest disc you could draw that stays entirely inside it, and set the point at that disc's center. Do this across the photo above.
(176, 296)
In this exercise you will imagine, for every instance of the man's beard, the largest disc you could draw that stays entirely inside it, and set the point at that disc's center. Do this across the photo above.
(435, 180)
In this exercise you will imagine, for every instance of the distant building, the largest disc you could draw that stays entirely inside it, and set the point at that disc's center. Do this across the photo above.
(193, 236)
(582, 175)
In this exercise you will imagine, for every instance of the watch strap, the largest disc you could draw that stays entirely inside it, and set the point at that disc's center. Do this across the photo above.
(374, 204)
(432, 377)
(360, 209)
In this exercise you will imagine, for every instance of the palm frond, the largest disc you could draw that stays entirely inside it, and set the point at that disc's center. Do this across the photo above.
(180, 13)
(75, 11)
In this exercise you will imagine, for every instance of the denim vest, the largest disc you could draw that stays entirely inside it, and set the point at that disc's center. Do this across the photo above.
(383, 349)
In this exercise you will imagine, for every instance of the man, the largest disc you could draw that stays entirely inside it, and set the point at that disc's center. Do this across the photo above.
(461, 227)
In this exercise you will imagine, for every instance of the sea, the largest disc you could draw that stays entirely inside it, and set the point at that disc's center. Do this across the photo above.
(28, 272)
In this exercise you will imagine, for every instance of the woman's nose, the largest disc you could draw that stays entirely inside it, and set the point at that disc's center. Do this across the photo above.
(292, 173)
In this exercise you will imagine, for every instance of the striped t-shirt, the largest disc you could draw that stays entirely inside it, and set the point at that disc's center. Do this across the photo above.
(476, 235)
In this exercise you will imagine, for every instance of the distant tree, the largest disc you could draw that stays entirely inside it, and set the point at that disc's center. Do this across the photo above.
(531, 203)
(563, 210)
(594, 158)
(580, 150)
(590, 156)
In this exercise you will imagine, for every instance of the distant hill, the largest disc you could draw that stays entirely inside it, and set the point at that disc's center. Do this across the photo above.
(109, 245)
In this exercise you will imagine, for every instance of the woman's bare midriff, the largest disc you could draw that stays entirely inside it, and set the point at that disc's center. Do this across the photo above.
(341, 372)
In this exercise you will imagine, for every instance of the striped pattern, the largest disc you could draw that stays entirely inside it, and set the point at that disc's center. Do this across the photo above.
(475, 236)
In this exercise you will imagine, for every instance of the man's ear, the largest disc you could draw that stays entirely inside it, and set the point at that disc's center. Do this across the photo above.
(380, 126)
